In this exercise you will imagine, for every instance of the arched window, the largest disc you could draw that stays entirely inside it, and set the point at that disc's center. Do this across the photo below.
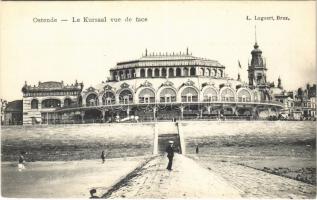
(142, 73)
(164, 72)
(92, 100)
(156, 72)
(133, 73)
(215, 73)
(207, 72)
(227, 95)
(189, 94)
(244, 96)
(201, 71)
(51, 103)
(122, 76)
(125, 97)
(220, 73)
(171, 72)
(168, 95)
(34, 104)
(149, 73)
(127, 74)
(210, 94)
(108, 98)
(146, 96)
(178, 72)
(192, 71)
(67, 102)
(186, 72)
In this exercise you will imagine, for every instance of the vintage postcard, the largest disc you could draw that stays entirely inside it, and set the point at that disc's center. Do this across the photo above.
(138, 99)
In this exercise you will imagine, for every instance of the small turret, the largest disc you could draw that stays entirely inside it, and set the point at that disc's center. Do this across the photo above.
(279, 83)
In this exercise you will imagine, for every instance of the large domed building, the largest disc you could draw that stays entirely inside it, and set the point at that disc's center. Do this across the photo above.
(162, 86)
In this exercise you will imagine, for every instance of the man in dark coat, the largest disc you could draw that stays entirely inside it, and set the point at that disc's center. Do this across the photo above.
(103, 156)
(170, 155)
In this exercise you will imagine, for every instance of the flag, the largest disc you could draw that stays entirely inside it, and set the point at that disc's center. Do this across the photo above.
(239, 64)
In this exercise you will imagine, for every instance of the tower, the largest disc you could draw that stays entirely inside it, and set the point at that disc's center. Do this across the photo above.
(257, 68)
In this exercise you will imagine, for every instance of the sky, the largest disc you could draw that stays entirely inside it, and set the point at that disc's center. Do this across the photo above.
(85, 52)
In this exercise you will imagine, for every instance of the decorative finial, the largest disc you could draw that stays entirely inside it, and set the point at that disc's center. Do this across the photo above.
(145, 52)
(255, 34)
(187, 51)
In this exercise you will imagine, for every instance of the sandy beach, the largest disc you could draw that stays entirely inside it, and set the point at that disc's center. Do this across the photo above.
(64, 179)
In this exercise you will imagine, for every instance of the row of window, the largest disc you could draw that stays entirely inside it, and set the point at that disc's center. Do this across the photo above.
(170, 72)
(167, 95)
(40, 94)
(50, 103)
(189, 94)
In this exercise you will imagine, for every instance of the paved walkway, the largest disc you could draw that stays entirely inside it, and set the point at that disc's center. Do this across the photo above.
(207, 179)
(258, 184)
(187, 180)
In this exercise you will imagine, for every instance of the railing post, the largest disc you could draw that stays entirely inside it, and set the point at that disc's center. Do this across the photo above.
(155, 140)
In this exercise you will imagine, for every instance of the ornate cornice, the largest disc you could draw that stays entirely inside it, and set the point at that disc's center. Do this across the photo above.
(146, 84)
(107, 87)
(124, 85)
(189, 83)
(167, 83)
(210, 83)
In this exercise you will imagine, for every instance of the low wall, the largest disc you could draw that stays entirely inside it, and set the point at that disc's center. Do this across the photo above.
(75, 142)
(254, 138)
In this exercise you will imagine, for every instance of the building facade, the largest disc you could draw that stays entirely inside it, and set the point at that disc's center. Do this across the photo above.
(40, 102)
(13, 113)
(157, 86)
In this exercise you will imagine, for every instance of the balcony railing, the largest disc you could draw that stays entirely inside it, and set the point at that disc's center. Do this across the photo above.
(130, 103)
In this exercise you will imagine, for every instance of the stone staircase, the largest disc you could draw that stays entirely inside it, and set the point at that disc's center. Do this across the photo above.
(164, 132)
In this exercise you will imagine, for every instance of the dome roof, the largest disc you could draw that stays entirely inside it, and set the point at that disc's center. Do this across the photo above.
(256, 49)
(168, 60)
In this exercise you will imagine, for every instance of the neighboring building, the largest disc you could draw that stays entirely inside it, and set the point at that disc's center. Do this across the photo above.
(13, 113)
(40, 102)
(3, 104)
(303, 103)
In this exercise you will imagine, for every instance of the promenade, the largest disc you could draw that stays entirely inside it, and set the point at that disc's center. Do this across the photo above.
(191, 179)
(186, 180)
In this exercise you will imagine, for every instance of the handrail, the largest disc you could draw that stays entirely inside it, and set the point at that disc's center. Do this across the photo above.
(272, 103)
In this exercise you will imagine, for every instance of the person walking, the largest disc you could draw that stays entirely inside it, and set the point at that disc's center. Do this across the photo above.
(103, 157)
(197, 149)
(21, 161)
(170, 155)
